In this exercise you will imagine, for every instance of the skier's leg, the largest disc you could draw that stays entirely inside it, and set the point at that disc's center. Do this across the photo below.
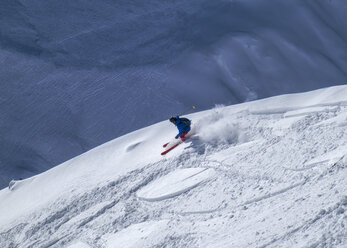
(183, 136)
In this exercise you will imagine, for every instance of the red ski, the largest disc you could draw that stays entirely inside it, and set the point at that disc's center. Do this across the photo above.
(171, 148)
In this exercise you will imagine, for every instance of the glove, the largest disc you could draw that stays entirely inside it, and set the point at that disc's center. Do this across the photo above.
(176, 137)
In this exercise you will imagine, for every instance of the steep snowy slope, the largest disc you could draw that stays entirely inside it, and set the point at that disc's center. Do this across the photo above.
(75, 74)
(268, 173)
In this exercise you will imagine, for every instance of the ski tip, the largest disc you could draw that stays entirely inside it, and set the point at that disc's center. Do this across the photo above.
(165, 152)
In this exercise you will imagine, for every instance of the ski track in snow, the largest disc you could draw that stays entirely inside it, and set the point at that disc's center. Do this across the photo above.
(283, 186)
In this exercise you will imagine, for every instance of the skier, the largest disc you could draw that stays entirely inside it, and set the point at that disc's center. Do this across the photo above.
(183, 126)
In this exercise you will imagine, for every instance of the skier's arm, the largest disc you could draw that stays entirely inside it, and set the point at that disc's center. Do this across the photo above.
(179, 134)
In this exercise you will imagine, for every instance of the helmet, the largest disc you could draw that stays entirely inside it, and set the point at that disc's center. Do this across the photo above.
(173, 119)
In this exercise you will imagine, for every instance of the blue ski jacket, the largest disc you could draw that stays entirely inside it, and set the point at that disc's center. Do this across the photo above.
(183, 125)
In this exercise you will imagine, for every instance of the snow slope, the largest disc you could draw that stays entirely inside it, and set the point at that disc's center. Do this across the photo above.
(268, 173)
(76, 74)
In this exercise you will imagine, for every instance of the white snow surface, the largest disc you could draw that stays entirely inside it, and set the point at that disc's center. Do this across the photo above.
(268, 173)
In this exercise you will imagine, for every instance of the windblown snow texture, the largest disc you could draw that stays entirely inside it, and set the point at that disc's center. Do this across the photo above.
(279, 180)
(75, 74)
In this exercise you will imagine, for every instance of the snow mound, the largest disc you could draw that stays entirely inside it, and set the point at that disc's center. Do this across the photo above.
(310, 110)
(16, 184)
(174, 183)
(137, 235)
